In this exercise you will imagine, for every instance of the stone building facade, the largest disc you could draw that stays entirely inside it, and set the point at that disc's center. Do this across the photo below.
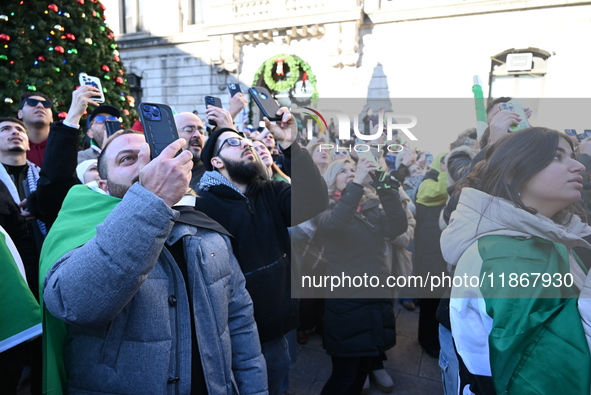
(179, 52)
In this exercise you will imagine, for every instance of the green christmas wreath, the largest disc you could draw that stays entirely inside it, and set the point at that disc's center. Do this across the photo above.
(282, 84)
(294, 63)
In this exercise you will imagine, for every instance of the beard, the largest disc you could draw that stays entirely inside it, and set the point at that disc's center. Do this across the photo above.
(196, 153)
(244, 173)
(119, 190)
(16, 148)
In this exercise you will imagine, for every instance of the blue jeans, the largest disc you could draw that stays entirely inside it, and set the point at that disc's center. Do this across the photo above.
(276, 353)
(448, 362)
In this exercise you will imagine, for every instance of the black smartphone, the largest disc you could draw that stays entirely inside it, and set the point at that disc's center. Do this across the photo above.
(263, 98)
(112, 127)
(212, 101)
(159, 127)
(234, 88)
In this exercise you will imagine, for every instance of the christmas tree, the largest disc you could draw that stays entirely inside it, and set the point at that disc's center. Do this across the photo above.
(44, 46)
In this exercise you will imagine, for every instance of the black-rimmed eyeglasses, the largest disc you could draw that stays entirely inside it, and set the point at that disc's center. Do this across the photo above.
(233, 142)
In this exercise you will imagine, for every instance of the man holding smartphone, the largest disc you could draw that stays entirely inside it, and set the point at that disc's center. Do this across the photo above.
(258, 214)
(97, 131)
(167, 306)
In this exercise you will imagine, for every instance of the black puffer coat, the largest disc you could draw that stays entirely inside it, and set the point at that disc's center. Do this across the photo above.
(354, 244)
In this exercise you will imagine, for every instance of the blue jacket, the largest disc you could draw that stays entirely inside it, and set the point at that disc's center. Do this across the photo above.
(126, 307)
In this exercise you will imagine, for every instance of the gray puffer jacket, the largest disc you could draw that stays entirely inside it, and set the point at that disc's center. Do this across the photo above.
(125, 304)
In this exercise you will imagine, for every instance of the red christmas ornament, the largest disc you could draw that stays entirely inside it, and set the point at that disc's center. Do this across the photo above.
(4, 37)
(119, 81)
(105, 68)
(111, 35)
(53, 7)
(70, 37)
(102, 6)
(81, 2)
(62, 115)
(116, 58)
(41, 58)
(121, 71)
(94, 13)
(126, 112)
(59, 49)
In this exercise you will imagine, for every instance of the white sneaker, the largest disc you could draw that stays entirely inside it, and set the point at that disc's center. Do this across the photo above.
(365, 389)
(382, 380)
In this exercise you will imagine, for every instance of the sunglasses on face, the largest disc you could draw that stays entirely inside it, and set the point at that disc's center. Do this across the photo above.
(190, 129)
(234, 142)
(103, 118)
(33, 103)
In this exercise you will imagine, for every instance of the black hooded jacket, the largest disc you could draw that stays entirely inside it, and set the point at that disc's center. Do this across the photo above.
(259, 222)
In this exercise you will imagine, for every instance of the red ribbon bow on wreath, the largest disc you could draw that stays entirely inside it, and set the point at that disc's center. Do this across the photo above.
(279, 62)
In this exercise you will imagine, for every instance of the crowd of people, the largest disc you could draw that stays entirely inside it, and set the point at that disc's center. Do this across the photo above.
(175, 274)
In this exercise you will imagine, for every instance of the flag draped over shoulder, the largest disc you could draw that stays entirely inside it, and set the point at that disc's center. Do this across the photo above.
(20, 316)
(82, 210)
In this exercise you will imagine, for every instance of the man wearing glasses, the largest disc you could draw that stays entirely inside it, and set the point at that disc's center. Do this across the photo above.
(258, 213)
(35, 112)
(97, 131)
(190, 127)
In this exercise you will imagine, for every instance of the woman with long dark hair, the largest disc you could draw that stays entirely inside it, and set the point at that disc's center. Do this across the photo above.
(514, 316)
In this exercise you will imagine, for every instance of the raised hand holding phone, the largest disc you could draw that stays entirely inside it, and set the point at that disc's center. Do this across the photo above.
(286, 130)
(515, 106)
(168, 175)
(219, 116)
(234, 88)
(215, 102)
(81, 98)
(364, 167)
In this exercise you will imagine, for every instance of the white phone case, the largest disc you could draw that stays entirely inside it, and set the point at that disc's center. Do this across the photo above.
(86, 79)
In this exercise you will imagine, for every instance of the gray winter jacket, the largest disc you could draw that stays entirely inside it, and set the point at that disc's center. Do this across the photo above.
(125, 304)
